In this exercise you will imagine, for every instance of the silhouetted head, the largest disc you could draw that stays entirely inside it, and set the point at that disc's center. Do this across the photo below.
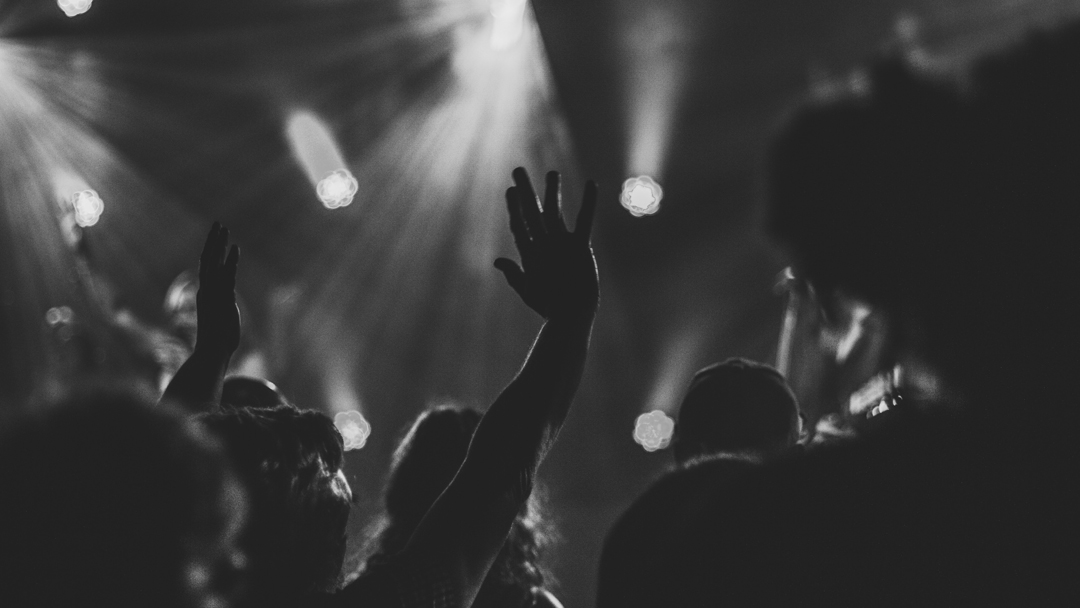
(291, 461)
(948, 205)
(736, 406)
(245, 391)
(425, 462)
(108, 500)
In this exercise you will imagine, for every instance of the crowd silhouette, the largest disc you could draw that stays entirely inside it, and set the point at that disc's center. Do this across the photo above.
(944, 204)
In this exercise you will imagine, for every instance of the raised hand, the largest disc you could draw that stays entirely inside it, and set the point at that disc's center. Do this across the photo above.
(219, 316)
(557, 276)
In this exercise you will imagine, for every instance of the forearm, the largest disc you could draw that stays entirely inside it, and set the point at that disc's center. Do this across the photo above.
(469, 522)
(197, 384)
(522, 423)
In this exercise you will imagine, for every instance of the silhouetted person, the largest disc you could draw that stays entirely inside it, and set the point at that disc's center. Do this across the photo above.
(108, 501)
(423, 465)
(735, 415)
(948, 208)
(292, 464)
(448, 557)
(738, 407)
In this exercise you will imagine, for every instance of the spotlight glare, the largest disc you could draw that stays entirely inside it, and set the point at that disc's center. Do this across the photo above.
(354, 429)
(641, 196)
(73, 8)
(88, 207)
(337, 189)
(509, 22)
(653, 431)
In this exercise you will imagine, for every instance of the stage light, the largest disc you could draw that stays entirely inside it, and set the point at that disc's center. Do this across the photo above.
(354, 429)
(73, 8)
(88, 207)
(653, 431)
(314, 148)
(509, 22)
(60, 315)
(337, 189)
(641, 195)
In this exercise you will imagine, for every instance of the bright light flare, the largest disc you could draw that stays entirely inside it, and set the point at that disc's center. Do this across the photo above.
(74, 8)
(641, 196)
(509, 23)
(653, 430)
(314, 148)
(59, 315)
(88, 207)
(337, 189)
(354, 429)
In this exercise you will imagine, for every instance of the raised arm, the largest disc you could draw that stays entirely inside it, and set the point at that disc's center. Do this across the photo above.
(197, 384)
(467, 526)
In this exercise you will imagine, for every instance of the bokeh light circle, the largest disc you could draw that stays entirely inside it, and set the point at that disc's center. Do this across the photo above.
(354, 429)
(337, 189)
(88, 207)
(641, 195)
(653, 430)
(74, 8)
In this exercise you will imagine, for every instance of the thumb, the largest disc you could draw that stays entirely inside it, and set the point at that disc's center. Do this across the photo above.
(515, 276)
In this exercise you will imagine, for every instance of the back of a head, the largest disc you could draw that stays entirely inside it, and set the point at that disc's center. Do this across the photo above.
(291, 460)
(424, 464)
(108, 500)
(736, 406)
(238, 392)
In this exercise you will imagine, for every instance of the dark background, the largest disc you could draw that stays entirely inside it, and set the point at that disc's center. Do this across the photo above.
(390, 303)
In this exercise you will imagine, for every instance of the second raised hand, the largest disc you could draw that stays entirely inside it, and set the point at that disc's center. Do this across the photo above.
(219, 316)
(557, 277)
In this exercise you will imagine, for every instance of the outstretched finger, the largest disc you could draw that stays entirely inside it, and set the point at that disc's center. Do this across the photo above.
(553, 221)
(583, 228)
(207, 259)
(530, 205)
(517, 220)
(231, 262)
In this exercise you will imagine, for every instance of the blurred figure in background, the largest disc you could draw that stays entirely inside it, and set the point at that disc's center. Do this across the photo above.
(108, 501)
(948, 208)
(423, 465)
(736, 415)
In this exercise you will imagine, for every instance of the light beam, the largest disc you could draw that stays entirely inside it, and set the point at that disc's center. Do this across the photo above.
(655, 48)
(314, 148)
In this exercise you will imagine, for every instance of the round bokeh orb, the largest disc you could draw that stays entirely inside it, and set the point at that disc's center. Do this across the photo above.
(88, 207)
(354, 429)
(73, 8)
(653, 430)
(641, 195)
(337, 189)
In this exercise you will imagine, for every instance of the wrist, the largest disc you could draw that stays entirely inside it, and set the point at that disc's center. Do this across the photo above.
(577, 318)
(212, 355)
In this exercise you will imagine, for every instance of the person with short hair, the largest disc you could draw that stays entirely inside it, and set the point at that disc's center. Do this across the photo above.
(736, 414)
